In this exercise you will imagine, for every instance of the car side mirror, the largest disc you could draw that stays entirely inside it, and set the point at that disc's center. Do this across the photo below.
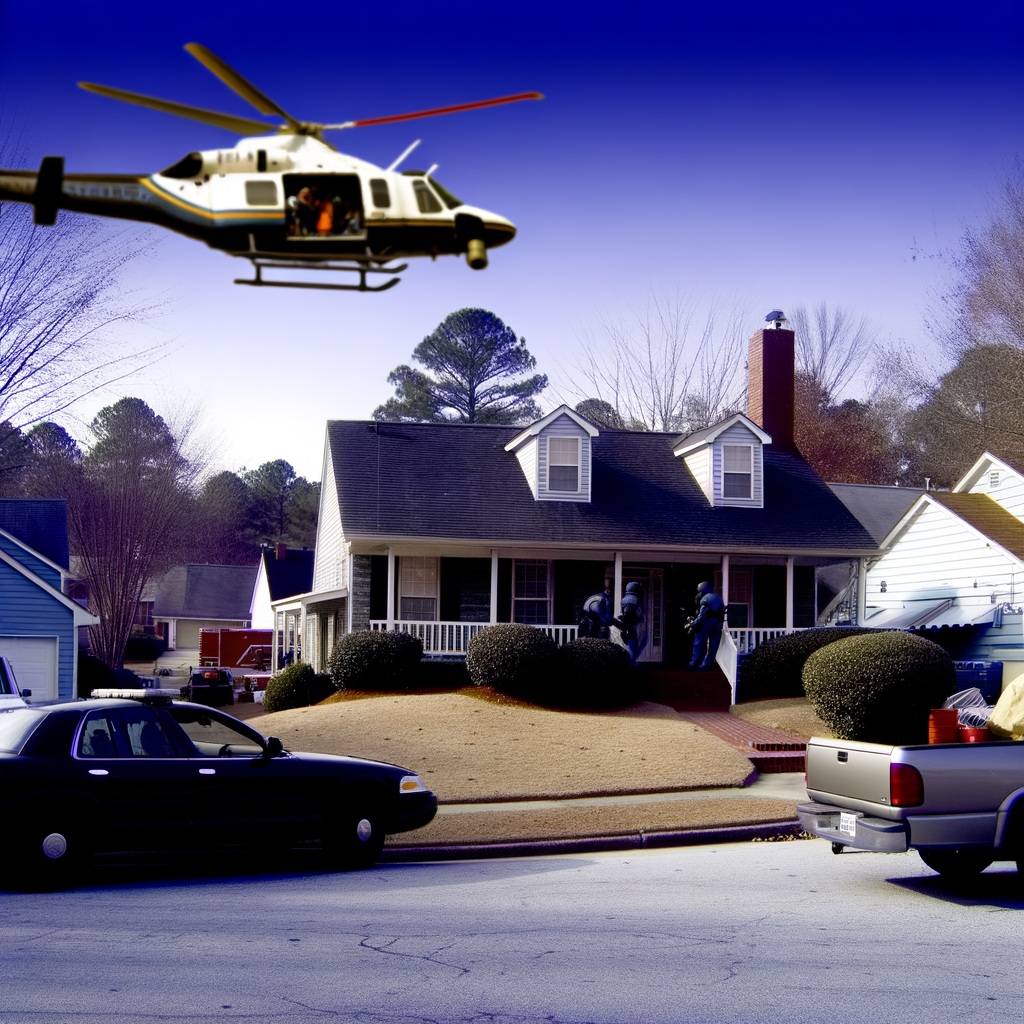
(26, 693)
(274, 747)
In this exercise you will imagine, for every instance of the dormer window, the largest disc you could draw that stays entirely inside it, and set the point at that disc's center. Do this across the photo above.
(564, 464)
(737, 469)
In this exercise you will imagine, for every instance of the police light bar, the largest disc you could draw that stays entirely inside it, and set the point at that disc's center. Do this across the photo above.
(136, 694)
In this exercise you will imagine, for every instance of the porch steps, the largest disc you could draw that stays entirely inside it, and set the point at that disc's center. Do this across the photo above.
(771, 751)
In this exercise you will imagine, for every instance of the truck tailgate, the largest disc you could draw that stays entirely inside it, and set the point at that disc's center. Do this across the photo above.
(852, 774)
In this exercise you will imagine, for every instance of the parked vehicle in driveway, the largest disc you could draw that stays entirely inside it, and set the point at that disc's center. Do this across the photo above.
(960, 805)
(131, 774)
(10, 694)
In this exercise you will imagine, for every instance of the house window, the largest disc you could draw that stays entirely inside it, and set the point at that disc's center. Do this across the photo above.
(563, 463)
(736, 470)
(418, 589)
(531, 590)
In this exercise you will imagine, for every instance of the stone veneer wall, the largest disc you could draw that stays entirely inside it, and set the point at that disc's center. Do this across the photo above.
(359, 591)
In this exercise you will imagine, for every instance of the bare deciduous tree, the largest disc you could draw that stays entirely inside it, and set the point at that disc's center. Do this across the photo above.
(832, 345)
(675, 365)
(60, 302)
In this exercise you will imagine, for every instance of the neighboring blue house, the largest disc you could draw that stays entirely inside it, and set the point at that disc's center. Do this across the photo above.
(38, 622)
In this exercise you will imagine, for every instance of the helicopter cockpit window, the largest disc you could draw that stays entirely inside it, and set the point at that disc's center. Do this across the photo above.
(425, 198)
(261, 193)
(323, 206)
(446, 197)
(379, 193)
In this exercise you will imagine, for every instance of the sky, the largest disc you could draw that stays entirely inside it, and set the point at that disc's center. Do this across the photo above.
(762, 155)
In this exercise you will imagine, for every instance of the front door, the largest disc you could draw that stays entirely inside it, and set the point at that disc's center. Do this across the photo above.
(651, 629)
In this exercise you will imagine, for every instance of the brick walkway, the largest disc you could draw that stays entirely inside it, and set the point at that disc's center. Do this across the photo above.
(770, 750)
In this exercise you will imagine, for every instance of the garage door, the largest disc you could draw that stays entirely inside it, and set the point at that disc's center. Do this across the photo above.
(34, 660)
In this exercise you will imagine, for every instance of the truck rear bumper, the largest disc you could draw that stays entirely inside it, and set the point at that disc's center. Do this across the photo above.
(853, 828)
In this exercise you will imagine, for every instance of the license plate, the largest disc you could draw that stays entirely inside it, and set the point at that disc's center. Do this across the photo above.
(848, 824)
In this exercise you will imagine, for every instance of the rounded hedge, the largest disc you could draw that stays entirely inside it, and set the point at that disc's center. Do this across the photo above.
(591, 672)
(513, 658)
(375, 660)
(775, 668)
(879, 687)
(297, 686)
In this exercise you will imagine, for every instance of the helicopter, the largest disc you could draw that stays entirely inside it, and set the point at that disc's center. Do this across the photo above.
(282, 197)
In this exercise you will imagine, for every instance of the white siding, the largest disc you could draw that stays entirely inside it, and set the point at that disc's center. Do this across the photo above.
(564, 426)
(698, 462)
(1009, 492)
(330, 563)
(527, 456)
(939, 556)
(739, 434)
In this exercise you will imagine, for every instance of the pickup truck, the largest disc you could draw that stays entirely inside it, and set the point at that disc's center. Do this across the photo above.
(960, 805)
(10, 695)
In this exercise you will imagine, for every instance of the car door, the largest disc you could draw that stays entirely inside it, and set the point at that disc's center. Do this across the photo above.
(142, 783)
(241, 794)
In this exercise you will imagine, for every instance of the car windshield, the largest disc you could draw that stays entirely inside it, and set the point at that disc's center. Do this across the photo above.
(16, 726)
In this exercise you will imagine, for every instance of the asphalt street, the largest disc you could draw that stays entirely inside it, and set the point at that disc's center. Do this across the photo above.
(742, 933)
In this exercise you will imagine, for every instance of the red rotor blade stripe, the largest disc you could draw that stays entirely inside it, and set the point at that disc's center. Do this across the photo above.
(450, 110)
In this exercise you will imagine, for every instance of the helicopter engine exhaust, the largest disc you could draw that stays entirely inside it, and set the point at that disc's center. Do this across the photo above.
(476, 253)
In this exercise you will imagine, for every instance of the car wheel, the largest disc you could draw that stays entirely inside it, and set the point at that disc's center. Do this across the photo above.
(957, 863)
(354, 836)
(55, 852)
(838, 848)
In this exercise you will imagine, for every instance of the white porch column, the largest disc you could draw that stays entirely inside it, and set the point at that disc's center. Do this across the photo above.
(273, 644)
(351, 593)
(617, 596)
(391, 588)
(789, 592)
(725, 586)
(862, 592)
(494, 586)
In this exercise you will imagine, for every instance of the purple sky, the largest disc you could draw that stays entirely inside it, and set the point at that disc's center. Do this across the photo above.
(778, 153)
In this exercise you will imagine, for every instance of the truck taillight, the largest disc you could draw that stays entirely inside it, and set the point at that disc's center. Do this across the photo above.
(906, 789)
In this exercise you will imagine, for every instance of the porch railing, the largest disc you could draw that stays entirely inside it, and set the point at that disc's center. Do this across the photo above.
(747, 639)
(454, 637)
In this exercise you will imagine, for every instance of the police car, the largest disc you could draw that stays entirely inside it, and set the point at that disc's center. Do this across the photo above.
(140, 770)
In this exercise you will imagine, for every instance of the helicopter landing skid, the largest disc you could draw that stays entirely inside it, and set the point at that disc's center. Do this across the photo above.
(360, 268)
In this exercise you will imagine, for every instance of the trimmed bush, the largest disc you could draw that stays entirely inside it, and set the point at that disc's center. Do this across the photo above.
(375, 660)
(775, 668)
(592, 673)
(143, 646)
(513, 658)
(297, 686)
(93, 674)
(879, 687)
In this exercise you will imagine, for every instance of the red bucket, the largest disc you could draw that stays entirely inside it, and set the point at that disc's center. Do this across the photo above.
(944, 725)
(970, 735)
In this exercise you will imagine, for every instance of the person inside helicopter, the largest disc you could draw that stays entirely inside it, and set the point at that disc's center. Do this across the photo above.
(323, 206)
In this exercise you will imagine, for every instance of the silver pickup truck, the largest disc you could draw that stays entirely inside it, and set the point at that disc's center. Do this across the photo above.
(960, 805)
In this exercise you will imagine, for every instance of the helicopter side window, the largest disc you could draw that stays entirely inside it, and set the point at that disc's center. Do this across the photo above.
(425, 199)
(379, 193)
(261, 193)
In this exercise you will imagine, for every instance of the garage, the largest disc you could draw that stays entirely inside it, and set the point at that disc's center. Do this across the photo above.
(34, 660)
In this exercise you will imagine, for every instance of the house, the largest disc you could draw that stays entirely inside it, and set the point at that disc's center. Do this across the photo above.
(441, 529)
(38, 621)
(189, 598)
(285, 576)
(952, 561)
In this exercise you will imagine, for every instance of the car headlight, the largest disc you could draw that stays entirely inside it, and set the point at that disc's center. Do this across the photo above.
(411, 784)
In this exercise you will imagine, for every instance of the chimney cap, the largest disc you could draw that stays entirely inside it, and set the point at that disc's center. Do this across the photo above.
(775, 319)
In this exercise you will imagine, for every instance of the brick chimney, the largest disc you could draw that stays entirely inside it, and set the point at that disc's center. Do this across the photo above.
(770, 384)
(282, 552)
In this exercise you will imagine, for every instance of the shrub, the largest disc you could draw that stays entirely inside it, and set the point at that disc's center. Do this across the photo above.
(143, 646)
(93, 674)
(513, 658)
(449, 673)
(297, 686)
(375, 660)
(879, 687)
(774, 668)
(592, 672)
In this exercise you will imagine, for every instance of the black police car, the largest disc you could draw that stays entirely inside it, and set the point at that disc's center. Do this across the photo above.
(152, 773)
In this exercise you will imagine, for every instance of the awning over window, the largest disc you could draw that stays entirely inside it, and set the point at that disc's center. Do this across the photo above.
(928, 614)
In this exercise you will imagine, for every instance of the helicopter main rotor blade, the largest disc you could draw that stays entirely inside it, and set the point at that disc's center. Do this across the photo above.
(439, 110)
(238, 125)
(233, 80)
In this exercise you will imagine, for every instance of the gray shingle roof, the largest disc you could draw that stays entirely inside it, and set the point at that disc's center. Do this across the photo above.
(204, 592)
(290, 575)
(456, 481)
(877, 507)
(41, 523)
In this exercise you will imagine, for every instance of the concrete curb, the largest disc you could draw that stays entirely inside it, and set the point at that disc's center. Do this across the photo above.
(596, 844)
